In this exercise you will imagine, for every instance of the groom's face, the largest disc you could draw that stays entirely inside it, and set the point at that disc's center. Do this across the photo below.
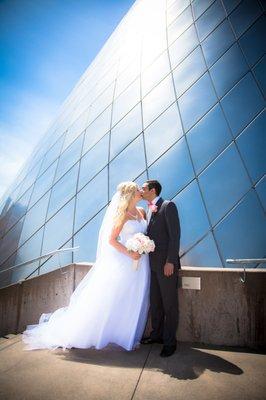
(148, 194)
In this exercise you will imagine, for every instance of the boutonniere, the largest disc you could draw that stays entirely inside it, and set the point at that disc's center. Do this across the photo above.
(153, 208)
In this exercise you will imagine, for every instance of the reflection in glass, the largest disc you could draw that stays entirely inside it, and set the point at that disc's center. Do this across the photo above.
(228, 70)
(169, 127)
(91, 199)
(193, 219)
(128, 164)
(208, 138)
(35, 218)
(189, 71)
(126, 101)
(223, 183)
(87, 239)
(242, 233)
(43, 183)
(158, 100)
(63, 190)
(125, 131)
(97, 130)
(31, 249)
(59, 228)
(203, 254)
(242, 103)
(197, 101)
(70, 156)
(252, 145)
(93, 161)
(173, 170)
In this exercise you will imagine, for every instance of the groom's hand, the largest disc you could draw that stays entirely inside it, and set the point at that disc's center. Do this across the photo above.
(168, 269)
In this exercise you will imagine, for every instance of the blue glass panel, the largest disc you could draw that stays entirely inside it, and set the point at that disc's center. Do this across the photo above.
(210, 19)
(208, 138)
(181, 23)
(126, 101)
(127, 165)
(230, 4)
(260, 73)
(175, 9)
(242, 233)
(35, 218)
(203, 254)
(30, 178)
(55, 261)
(125, 131)
(189, 71)
(173, 169)
(91, 199)
(253, 41)
(63, 190)
(93, 161)
(261, 190)
(223, 183)
(31, 249)
(183, 46)
(228, 70)
(43, 183)
(10, 241)
(252, 145)
(193, 219)
(197, 101)
(242, 103)
(158, 100)
(59, 228)
(218, 42)
(152, 75)
(70, 156)
(6, 277)
(244, 15)
(18, 209)
(199, 6)
(162, 133)
(87, 239)
(52, 154)
(97, 130)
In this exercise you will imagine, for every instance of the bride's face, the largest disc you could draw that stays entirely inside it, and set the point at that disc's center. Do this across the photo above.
(138, 194)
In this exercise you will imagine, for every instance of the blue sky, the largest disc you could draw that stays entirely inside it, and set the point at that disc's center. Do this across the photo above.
(45, 46)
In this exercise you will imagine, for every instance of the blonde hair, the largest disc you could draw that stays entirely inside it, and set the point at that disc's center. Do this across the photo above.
(127, 192)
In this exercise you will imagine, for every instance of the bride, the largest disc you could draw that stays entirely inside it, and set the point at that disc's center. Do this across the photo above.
(110, 304)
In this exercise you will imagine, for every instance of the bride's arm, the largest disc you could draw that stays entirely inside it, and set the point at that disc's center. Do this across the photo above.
(143, 212)
(119, 246)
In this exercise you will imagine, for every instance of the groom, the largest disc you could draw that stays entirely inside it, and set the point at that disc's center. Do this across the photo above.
(164, 230)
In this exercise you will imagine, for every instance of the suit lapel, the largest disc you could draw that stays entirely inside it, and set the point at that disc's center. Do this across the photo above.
(154, 214)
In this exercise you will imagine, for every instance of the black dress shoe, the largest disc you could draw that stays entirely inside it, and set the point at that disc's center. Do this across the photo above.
(149, 340)
(167, 351)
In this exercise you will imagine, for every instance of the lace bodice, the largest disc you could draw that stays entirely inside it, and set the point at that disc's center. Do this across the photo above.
(131, 227)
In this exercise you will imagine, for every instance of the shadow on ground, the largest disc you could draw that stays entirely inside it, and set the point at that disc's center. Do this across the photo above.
(187, 363)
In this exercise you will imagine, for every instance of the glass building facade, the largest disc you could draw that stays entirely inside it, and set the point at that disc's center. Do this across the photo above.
(176, 94)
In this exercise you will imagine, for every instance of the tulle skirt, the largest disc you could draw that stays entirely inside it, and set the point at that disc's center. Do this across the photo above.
(109, 306)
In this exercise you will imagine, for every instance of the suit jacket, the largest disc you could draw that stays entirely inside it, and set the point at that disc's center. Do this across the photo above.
(164, 229)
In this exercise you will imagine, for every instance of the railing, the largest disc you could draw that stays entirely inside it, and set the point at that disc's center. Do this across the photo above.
(47, 255)
(245, 261)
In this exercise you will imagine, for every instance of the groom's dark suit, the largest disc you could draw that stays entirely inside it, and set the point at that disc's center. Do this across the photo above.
(164, 229)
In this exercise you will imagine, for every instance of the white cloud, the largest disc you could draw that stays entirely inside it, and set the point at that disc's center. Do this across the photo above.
(28, 120)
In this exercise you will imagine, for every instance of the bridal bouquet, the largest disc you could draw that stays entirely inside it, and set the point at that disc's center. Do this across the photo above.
(141, 244)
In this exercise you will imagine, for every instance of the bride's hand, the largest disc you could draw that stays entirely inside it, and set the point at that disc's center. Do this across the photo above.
(134, 255)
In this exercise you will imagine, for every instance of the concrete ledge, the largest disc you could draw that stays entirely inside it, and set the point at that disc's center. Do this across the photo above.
(224, 311)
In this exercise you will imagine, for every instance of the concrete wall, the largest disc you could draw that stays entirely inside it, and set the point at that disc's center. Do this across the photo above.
(223, 312)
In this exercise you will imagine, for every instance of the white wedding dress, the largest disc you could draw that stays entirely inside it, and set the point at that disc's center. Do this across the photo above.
(109, 306)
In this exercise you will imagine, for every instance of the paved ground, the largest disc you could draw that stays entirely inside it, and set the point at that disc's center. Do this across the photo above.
(193, 373)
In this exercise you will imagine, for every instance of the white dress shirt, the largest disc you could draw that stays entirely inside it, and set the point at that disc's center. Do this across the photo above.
(149, 213)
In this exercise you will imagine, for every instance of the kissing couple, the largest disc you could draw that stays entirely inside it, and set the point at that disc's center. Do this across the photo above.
(136, 268)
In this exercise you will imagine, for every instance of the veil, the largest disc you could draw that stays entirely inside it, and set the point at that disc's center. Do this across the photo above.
(103, 246)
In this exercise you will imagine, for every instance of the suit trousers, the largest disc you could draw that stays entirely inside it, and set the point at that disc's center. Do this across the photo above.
(164, 307)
